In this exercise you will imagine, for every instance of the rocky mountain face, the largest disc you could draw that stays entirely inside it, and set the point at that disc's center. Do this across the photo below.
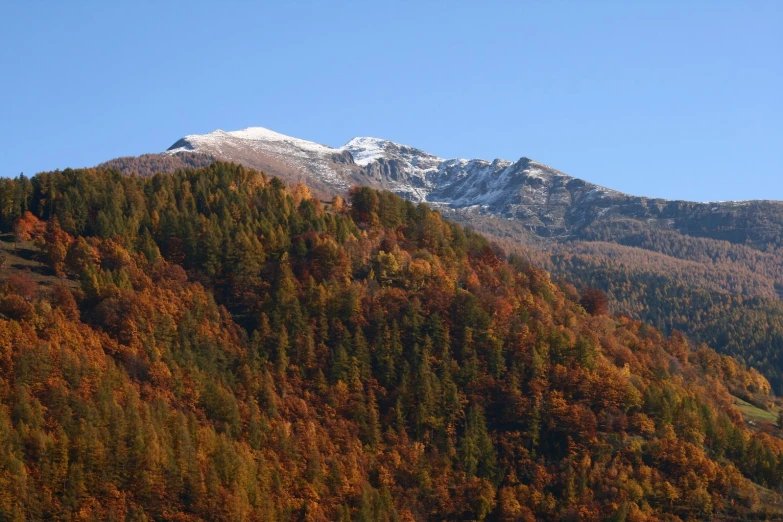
(546, 202)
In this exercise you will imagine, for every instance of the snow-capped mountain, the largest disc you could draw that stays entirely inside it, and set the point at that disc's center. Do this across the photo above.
(274, 153)
(523, 193)
(405, 170)
(524, 189)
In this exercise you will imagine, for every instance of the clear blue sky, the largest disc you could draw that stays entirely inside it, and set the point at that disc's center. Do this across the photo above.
(670, 99)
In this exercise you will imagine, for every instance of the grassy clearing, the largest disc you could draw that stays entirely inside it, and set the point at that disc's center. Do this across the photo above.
(22, 259)
(754, 413)
(771, 500)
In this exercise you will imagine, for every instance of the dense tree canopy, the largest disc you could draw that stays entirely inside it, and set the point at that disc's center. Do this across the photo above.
(746, 326)
(222, 348)
(719, 282)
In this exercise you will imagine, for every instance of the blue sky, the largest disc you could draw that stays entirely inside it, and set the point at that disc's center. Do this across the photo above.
(669, 99)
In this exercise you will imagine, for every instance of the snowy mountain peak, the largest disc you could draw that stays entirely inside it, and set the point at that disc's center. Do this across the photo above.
(525, 189)
(251, 134)
(365, 150)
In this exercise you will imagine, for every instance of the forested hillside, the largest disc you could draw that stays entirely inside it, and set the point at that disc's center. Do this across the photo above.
(725, 294)
(677, 295)
(711, 270)
(149, 164)
(221, 348)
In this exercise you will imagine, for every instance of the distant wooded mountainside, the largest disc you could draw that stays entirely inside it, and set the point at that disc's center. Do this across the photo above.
(149, 164)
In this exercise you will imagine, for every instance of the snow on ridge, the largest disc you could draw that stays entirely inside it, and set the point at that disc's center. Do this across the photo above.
(266, 135)
(419, 175)
(521, 189)
(254, 134)
(302, 155)
(365, 150)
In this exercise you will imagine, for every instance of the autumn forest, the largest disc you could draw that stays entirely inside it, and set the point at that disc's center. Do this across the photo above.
(209, 344)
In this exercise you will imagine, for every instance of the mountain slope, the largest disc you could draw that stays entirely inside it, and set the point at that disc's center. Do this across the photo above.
(149, 164)
(500, 187)
(546, 201)
(236, 351)
(712, 270)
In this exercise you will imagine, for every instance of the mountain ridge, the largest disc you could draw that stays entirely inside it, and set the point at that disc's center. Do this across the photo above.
(366, 149)
(547, 202)
(426, 172)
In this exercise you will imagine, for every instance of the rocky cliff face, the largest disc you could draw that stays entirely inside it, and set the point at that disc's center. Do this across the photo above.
(546, 202)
